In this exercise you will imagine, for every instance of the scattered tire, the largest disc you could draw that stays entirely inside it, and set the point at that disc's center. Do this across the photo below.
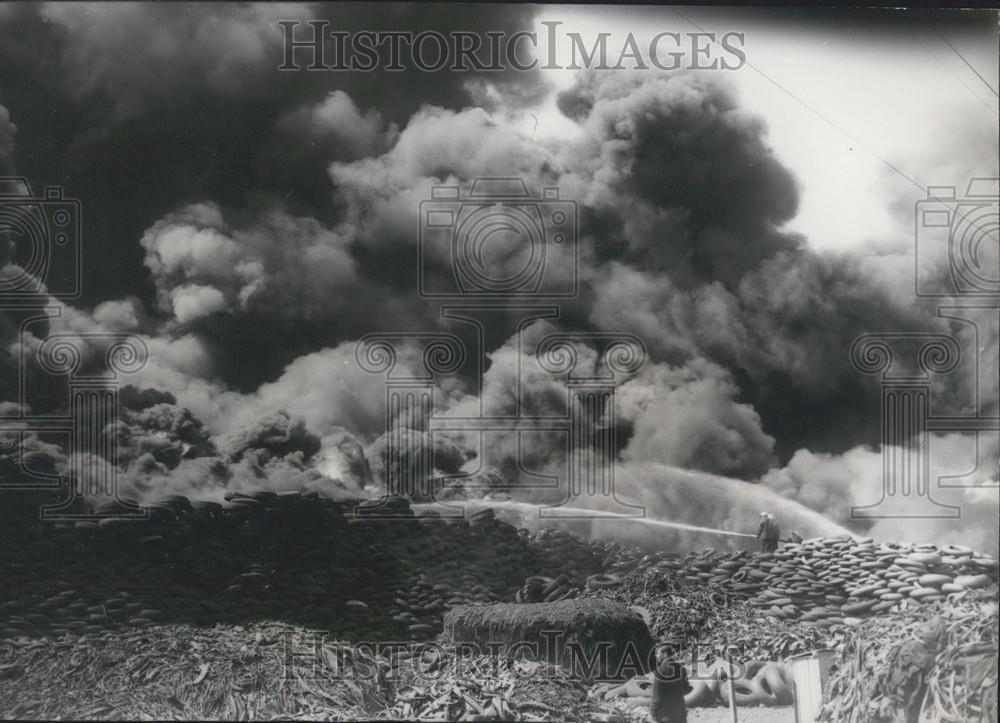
(775, 678)
(745, 692)
(603, 581)
(703, 693)
(640, 687)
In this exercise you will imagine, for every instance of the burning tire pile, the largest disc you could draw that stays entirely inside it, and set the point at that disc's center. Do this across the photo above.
(362, 570)
(309, 561)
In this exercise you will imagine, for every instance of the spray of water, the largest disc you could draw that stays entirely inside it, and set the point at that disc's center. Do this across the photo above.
(717, 511)
(531, 509)
(731, 503)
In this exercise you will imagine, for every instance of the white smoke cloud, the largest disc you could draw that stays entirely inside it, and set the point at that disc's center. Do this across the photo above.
(689, 417)
(200, 266)
(335, 127)
(328, 390)
(835, 483)
(677, 509)
(192, 302)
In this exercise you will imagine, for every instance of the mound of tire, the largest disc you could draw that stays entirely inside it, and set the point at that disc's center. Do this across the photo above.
(363, 570)
(826, 582)
(569, 565)
(371, 570)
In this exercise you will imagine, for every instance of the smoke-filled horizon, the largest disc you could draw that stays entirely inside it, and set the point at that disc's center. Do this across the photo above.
(251, 226)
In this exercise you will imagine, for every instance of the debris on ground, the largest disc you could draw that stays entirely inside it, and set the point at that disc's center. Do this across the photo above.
(924, 664)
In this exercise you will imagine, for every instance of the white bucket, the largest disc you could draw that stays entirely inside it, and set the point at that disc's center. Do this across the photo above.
(809, 674)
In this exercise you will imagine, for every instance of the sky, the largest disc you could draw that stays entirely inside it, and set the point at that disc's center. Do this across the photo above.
(250, 226)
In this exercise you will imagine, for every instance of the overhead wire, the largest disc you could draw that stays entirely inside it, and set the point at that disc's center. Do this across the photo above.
(817, 113)
(967, 63)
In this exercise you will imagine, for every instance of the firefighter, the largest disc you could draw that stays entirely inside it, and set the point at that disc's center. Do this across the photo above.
(768, 532)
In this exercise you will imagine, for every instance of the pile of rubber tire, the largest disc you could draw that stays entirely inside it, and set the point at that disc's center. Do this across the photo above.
(830, 581)
(821, 582)
(759, 683)
(562, 552)
(369, 570)
(917, 574)
(339, 566)
(69, 611)
(621, 560)
(571, 565)
(541, 588)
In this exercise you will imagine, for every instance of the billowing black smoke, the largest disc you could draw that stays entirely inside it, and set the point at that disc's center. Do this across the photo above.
(251, 225)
